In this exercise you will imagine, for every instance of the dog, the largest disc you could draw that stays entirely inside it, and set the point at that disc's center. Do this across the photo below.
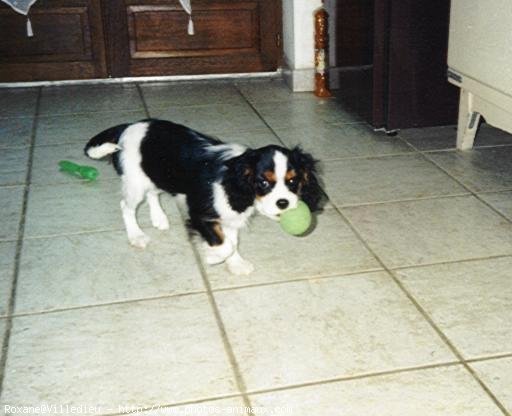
(224, 184)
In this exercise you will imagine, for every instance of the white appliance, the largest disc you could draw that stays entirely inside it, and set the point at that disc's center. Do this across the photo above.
(480, 63)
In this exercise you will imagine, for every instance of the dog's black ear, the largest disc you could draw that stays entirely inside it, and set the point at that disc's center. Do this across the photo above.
(310, 191)
(241, 171)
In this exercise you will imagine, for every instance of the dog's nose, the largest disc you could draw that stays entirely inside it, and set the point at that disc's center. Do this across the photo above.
(282, 203)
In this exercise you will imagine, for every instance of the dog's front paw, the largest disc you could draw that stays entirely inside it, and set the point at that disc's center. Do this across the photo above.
(239, 266)
(139, 240)
(218, 254)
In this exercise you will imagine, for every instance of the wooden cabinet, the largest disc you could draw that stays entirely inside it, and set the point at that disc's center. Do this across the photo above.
(120, 38)
(68, 42)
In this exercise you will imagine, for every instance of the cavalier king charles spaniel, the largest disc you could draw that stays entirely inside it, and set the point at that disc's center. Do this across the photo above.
(223, 183)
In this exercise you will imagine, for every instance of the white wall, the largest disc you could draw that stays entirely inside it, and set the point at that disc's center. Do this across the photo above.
(298, 43)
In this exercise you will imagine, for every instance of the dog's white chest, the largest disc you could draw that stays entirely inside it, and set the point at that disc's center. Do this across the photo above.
(230, 218)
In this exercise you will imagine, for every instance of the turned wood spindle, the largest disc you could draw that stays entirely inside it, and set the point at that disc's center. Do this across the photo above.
(321, 53)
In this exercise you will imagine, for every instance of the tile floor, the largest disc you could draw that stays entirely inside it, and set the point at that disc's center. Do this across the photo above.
(399, 303)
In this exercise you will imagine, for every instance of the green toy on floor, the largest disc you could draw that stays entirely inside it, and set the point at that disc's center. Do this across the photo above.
(84, 172)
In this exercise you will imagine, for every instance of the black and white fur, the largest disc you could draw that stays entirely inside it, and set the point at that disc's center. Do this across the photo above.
(223, 183)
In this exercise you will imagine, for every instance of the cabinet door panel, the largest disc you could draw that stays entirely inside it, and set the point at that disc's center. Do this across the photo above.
(67, 42)
(230, 36)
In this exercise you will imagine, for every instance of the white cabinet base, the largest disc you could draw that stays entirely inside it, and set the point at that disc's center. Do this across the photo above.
(477, 99)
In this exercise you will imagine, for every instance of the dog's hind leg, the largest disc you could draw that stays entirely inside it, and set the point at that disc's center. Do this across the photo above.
(158, 217)
(132, 197)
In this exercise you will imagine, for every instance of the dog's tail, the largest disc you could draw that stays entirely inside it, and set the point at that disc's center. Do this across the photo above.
(105, 143)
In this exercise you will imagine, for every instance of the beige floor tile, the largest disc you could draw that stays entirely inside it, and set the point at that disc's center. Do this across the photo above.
(136, 354)
(13, 165)
(303, 113)
(224, 407)
(11, 204)
(445, 137)
(15, 131)
(7, 261)
(76, 99)
(470, 302)
(334, 141)
(271, 91)
(102, 268)
(18, 102)
(46, 170)
(432, 231)
(79, 128)
(215, 119)
(501, 201)
(253, 139)
(433, 392)
(185, 94)
(83, 207)
(384, 179)
(331, 248)
(315, 330)
(481, 170)
(497, 375)
(430, 138)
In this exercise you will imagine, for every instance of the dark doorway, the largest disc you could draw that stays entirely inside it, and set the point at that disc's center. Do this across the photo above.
(392, 55)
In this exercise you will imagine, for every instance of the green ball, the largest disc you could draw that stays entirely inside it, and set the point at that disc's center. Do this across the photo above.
(296, 221)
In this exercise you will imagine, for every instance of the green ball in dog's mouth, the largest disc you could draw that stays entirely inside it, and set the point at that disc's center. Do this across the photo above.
(296, 221)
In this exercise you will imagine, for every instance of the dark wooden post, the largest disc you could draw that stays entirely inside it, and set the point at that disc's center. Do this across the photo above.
(321, 53)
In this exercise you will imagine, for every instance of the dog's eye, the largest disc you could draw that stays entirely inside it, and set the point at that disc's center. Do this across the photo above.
(291, 181)
(263, 184)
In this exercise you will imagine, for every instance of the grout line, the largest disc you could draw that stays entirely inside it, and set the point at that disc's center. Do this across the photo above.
(138, 410)
(261, 117)
(70, 143)
(489, 358)
(107, 304)
(454, 149)
(143, 100)
(106, 229)
(473, 193)
(410, 152)
(19, 245)
(356, 377)
(448, 262)
(240, 382)
(398, 201)
(190, 293)
(427, 317)
(499, 191)
(299, 279)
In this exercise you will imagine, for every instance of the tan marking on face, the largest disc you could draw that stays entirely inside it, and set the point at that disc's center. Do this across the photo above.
(290, 175)
(270, 176)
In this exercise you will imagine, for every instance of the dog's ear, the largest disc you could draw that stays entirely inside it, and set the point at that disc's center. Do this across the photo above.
(241, 171)
(310, 191)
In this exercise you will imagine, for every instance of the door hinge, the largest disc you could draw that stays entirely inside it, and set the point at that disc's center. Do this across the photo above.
(278, 40)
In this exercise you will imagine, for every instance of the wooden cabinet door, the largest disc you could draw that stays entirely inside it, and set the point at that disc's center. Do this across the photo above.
(149, 37)
(67, 42)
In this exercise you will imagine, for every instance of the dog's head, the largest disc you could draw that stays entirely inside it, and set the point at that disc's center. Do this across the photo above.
(278, 178)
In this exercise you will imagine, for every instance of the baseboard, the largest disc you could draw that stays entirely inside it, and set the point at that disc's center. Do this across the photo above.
(208, 77)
